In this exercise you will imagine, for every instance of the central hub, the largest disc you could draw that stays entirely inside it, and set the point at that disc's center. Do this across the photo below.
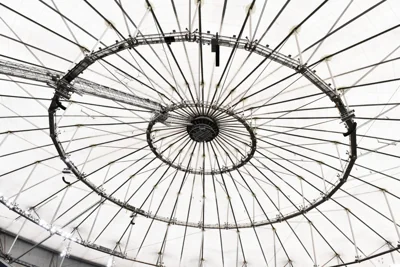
(203, 129)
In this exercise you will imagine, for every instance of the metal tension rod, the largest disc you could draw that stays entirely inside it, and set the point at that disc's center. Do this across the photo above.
(79, 85)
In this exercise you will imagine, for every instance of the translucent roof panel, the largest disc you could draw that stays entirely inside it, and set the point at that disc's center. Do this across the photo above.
(202, 133)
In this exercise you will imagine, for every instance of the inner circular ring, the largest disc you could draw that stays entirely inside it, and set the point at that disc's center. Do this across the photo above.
(204, 129)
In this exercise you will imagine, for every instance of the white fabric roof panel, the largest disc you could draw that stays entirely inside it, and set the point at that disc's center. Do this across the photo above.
(261, 143)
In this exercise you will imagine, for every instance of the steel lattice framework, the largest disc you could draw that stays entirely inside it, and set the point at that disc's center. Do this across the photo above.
(79, 86)
(347, 115)
(239, 148)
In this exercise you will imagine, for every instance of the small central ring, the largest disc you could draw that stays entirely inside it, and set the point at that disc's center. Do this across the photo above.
(201, 129)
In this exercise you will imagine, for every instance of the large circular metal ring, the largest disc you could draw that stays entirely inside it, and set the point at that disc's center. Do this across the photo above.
(346, 117)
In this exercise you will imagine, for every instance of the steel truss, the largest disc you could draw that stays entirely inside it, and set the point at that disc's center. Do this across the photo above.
(80, 86)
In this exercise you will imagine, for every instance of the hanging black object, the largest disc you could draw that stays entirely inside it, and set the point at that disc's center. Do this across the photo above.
(60, 105)
(65, 181)
(215, 49)
(169, 39)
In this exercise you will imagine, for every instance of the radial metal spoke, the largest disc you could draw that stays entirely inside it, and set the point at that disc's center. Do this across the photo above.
(342, 26)
(229, 200)
(159, 206)
(230, 59)
(243, 203)
(274, 50)
(170, 50)
(375, 210)
(356, 44)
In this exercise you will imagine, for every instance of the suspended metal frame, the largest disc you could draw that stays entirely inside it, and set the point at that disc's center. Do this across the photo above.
(349, 114)
(63, 90)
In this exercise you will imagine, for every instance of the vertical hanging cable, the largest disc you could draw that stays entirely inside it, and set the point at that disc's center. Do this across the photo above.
(24, 184)
(16, 237)
(313, 243)
(352, 234)
(392, 215)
